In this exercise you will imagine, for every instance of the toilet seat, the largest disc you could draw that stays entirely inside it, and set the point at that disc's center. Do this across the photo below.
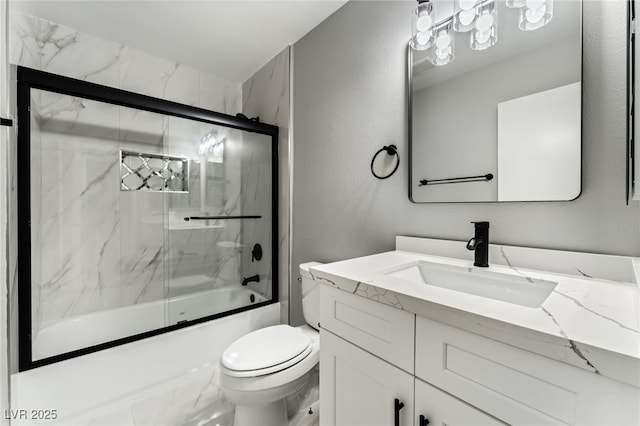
(266, 351)
(273, 369)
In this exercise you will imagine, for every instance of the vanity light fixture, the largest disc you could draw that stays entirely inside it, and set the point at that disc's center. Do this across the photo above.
(479, 17)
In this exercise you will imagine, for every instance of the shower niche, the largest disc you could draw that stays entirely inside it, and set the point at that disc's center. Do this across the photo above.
(137, 216)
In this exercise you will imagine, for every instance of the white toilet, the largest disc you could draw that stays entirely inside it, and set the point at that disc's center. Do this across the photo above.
(261, 369)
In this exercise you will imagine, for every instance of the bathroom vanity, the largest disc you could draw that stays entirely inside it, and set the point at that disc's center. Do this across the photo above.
(419, 336)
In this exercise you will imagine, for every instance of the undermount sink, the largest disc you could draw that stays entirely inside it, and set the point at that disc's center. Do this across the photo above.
(520, 290)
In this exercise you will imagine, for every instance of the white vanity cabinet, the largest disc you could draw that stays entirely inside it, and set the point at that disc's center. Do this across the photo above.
(517, 386)
(440, 408)
(359, 389)
(373, 354)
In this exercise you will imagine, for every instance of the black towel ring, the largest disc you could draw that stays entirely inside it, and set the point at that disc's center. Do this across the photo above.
(391, 150)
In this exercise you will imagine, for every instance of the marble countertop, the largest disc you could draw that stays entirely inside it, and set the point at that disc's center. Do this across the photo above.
(588, 322)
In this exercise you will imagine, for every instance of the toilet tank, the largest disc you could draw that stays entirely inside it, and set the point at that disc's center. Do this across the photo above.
(310, 295)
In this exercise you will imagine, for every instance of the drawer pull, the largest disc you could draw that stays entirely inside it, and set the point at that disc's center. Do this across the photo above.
(423, 421)
(397, 406)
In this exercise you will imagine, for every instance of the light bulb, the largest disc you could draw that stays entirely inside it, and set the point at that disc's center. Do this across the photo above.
(423, 20)
(535, 14)
(534, 4)
(423, 38)
(443, 41)
(466, 17)
(444, 45)
(424, 23)
(515, 3)
(482, 37)
(467, 4)
(484, 22)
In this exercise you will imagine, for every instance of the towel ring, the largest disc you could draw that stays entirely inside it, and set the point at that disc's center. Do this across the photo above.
(391, 150)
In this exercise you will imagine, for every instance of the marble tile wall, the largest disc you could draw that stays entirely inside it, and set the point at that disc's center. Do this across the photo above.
(4, 144)
(102, 248)
(256, 200)
(266, 94)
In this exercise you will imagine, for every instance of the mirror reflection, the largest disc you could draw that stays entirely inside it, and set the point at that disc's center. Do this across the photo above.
(502, 123)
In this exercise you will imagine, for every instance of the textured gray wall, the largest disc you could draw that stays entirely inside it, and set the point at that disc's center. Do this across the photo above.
(349, 100)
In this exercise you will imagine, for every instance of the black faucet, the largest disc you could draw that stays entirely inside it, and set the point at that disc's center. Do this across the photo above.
(480, 244)
(253, 279)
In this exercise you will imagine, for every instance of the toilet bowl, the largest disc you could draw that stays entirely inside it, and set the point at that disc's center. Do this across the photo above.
(261, 369)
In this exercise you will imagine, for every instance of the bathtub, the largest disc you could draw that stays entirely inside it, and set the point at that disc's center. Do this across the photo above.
(87, 330)
(130, 378)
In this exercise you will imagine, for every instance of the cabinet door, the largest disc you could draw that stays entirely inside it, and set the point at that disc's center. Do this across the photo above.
(442, 409)
(357, 388)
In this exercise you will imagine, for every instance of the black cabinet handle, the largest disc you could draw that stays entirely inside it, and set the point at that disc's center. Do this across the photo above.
(397, 406)
(423, 421)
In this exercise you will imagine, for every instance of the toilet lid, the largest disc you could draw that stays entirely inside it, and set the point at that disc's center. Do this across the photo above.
(265, 348)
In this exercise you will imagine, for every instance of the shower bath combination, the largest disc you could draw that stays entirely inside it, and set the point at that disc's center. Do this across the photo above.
(143, 216)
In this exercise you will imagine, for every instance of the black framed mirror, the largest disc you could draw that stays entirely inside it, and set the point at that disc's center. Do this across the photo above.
(503, 123)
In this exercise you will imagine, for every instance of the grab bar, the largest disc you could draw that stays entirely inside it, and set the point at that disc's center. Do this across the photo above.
(479, 178)
(187, 219)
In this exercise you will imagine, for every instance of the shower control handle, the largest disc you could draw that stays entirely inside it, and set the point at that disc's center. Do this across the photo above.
(256, 253)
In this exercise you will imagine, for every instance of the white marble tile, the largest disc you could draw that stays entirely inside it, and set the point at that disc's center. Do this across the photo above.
(232, 98)
(122, 417)
(51, 47)
(12, 232)
(24, 45)
(146, 74)
(185, 403)
(183, 86)
(212, 92)
(143, 247)
(266, 94)
(80, 239)
(125, 377)
(79, 55)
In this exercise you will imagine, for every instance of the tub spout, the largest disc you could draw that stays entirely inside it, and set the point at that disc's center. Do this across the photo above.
(253, 279)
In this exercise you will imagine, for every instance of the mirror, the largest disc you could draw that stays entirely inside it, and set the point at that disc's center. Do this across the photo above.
(500, 124)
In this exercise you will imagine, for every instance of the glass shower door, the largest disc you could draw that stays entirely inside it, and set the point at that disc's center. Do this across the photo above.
(136, 216)
(219, 241)
(97, 234)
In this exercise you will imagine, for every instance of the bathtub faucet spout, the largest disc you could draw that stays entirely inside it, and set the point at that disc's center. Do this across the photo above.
(253, 279)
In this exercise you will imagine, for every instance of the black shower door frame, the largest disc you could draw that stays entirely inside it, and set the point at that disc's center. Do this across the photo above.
(34, 79)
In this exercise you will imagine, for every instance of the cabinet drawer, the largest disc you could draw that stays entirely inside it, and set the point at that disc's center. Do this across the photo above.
(380, 329)
(440, 408)
(517, 386)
